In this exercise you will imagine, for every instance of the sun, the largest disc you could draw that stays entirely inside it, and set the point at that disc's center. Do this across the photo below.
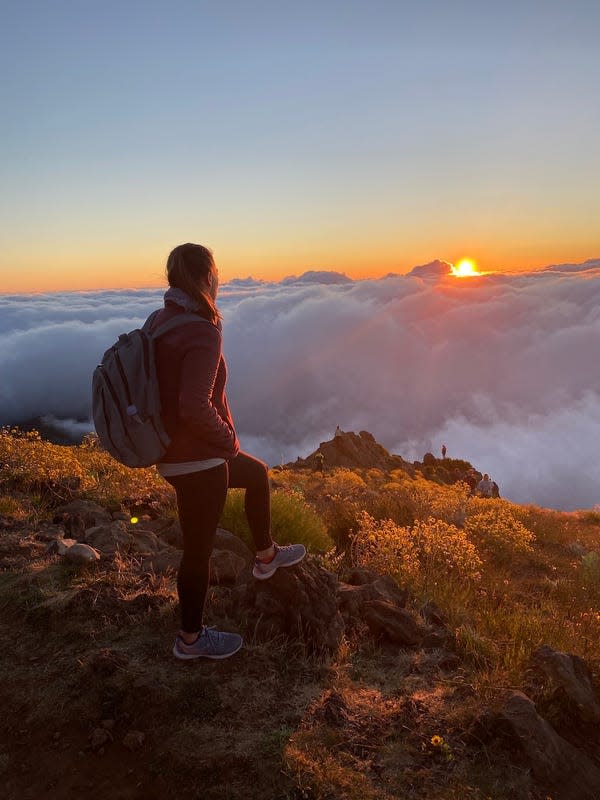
(465, 268)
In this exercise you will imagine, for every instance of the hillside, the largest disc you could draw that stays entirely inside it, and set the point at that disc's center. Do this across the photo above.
(433, 645)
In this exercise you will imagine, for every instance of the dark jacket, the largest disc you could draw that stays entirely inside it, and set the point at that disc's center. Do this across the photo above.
(192, 374)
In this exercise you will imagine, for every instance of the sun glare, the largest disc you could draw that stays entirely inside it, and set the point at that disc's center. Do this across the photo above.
(465, 268)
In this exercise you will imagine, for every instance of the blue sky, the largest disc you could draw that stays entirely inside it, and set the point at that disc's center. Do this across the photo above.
(363, 136)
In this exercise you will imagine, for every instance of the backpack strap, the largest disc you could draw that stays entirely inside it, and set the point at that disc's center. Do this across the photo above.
(180, 319)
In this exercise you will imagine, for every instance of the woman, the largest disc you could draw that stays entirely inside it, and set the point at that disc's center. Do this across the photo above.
(204, 458)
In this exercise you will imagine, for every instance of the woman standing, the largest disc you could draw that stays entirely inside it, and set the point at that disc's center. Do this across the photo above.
(204, 459)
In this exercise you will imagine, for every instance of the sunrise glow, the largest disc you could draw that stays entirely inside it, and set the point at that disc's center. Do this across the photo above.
(465, 268)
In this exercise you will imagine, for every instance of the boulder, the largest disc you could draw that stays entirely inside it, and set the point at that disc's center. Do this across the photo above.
(384, 587)
(557, 767)
(171, 534)
(144, 541)
(299, 602)
(351, 599)
(391, 623)
(225, 540)
(78, 515)
(162, 562)
(80, 553)
(225, 567)
(571, 680)
(109, 538)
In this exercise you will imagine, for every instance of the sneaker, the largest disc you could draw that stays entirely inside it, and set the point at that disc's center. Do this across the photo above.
(209, 644)
(285, 556)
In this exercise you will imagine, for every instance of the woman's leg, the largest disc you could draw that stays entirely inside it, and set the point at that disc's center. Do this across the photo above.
(246, 472)
(200, 500)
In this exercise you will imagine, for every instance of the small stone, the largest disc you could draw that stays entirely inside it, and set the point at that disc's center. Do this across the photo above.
(80, 553)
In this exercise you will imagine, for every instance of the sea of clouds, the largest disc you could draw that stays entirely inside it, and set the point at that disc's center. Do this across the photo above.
(502, 368)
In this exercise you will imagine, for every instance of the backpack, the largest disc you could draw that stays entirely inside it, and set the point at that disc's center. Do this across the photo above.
(126, 398)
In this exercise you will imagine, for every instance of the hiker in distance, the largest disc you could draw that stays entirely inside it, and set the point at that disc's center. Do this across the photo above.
(204, 457)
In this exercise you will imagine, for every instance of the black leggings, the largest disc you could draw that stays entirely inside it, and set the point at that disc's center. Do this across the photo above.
(200, 500)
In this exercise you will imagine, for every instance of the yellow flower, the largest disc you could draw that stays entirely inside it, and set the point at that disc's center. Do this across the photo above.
(437, 741)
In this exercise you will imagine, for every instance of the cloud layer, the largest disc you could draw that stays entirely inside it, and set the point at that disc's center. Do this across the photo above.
(500, 367)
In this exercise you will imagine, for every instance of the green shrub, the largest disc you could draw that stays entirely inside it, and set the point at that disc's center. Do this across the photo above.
(292, 520)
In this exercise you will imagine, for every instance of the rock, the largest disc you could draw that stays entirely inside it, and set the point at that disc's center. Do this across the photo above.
(557, 766)
(109, 538)
(436, 637)
(572, 680)
(90, 514)
(299, 602)
(351, 599)
(133, 740)
(80, 553)
(121, 515)
(166, 560)
(225, 540)
(59, 546)
(391, 623)
(171, 534)
(144, 541)
(225, 567)
(429, 460)
(432, 614)
(48, 533)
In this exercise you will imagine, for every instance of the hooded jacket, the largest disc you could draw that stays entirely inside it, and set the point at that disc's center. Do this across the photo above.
(192, 374)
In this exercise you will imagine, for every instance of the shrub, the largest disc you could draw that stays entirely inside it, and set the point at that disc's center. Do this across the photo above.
(416, 556)
(292, 520)
(497, 531)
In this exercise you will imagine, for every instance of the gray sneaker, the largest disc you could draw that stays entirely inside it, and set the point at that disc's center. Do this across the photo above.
(209, 644)
(285, 556)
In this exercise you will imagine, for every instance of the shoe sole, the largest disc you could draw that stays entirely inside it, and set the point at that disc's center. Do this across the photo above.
(188, 656)
(263, 577)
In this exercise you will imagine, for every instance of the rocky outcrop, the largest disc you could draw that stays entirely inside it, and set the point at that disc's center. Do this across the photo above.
(299, 602)
(558, 767)
(395, 625)
(352, 450)
(570, 684)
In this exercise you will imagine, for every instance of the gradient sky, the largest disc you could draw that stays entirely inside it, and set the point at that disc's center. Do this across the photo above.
(364, 137)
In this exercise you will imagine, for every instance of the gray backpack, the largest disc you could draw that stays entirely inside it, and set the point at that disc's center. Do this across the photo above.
(126, 398)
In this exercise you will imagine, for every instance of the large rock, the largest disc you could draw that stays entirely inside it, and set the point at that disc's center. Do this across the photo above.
(78, 515)
(144, 541)
(225, 567)
(225, 540)
(352, 599)
(163, 562)
(571, 682)
(110, 538)
(299, 602)
(558, 767)
(391, 623)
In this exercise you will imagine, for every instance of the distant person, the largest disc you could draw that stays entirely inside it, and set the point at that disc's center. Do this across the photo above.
(338, 431)
(443, 451)
(485, 486)
(320, 461)
(204, 459)
(495, 489)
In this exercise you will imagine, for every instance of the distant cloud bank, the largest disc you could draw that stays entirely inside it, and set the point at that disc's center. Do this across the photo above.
(502, 368)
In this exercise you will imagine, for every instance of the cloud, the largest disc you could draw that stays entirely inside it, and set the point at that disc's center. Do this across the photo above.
(500, 367)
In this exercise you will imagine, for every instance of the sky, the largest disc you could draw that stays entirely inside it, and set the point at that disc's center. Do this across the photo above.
(502, 367)
(361, 137)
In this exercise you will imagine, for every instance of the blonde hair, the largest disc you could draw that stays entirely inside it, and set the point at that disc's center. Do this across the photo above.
(188, 268)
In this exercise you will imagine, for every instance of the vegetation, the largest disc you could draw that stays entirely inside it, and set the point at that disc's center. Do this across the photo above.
(89, 646)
